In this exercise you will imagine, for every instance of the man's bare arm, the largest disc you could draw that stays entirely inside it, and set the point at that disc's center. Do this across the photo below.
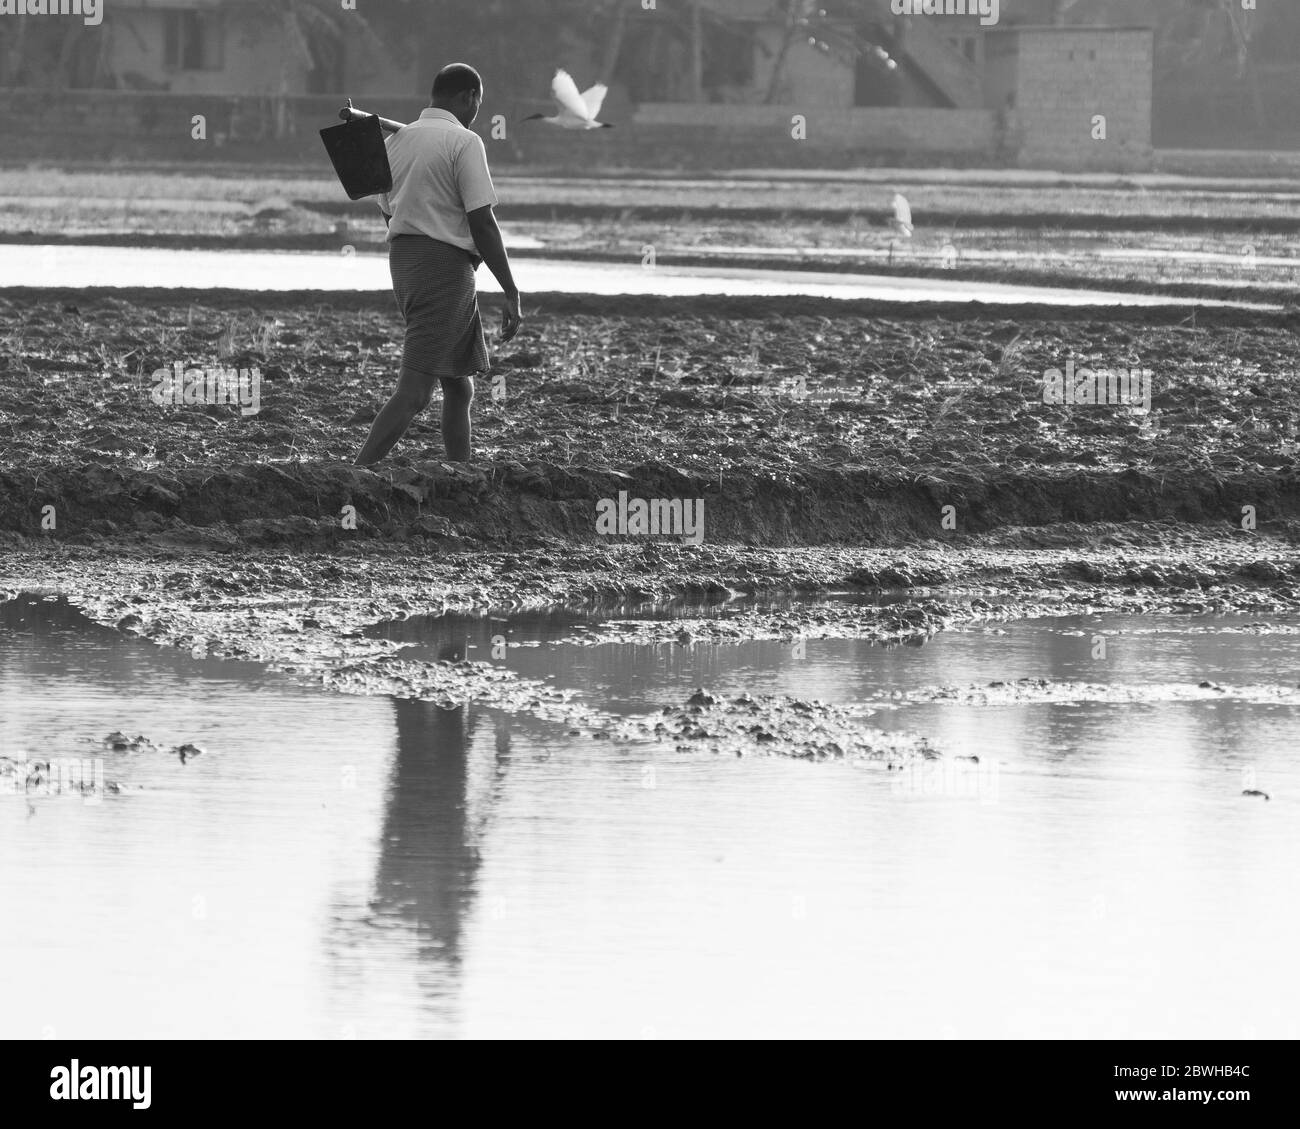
(487, 238)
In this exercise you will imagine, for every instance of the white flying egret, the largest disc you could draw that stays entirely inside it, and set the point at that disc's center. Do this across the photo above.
(575, 111)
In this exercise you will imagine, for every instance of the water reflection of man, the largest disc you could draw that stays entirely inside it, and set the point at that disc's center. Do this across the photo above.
(428, 860)
(429, 854)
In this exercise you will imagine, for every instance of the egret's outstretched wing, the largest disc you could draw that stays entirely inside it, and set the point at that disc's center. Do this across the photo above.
(565, 92)
(595, 98)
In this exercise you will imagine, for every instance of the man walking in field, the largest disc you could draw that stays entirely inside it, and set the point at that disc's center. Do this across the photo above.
(440, 227)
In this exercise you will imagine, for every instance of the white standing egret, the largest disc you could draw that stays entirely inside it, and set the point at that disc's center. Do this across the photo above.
(574, 110)
(902, 216)
(902, 221)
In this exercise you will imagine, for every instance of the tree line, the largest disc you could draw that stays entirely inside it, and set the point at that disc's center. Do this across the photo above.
(518, 42)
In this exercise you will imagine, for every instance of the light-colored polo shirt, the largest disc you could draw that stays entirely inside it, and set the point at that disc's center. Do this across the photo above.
(440, 174)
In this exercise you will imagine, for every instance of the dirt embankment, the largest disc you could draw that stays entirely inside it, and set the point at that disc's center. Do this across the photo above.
(796, 422)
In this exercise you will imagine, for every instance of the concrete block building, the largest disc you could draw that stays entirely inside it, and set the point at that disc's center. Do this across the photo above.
(1031, 90)
(1075, 98)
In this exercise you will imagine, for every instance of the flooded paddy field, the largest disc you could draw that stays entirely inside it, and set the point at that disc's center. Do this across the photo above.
(981, 234)
(56, 266)
(371, 865)
(143, 199)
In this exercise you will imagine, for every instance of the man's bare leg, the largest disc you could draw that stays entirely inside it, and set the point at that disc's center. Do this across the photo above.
(407, 402)
(457, 396)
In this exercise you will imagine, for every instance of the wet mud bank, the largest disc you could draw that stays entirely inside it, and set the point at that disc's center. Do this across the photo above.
(444, 507)
(309, 611)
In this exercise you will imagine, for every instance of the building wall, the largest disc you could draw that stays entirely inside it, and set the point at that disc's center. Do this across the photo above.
(248, 65)
(89, 125)
(1066, 76)
(253, 61)
(860, 131)
(1001, 70)
(1210, 105)
(808, 77)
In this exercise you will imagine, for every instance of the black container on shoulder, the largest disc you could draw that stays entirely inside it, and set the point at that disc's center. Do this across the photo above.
(357, 151)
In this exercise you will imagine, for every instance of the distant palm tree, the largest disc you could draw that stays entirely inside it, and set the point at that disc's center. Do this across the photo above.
(797, 13)
(12, 60)
(39, 53)
(613, 43)
(1192, 32)
(829, 27)
(1242, 29)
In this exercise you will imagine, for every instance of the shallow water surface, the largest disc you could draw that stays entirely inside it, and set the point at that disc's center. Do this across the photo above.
(92, 266)
(335, 866)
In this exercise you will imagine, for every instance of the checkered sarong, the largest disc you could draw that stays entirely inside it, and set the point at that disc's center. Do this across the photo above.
(434, 286)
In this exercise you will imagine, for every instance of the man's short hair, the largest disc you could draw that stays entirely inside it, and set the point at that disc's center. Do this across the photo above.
(456, 79)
